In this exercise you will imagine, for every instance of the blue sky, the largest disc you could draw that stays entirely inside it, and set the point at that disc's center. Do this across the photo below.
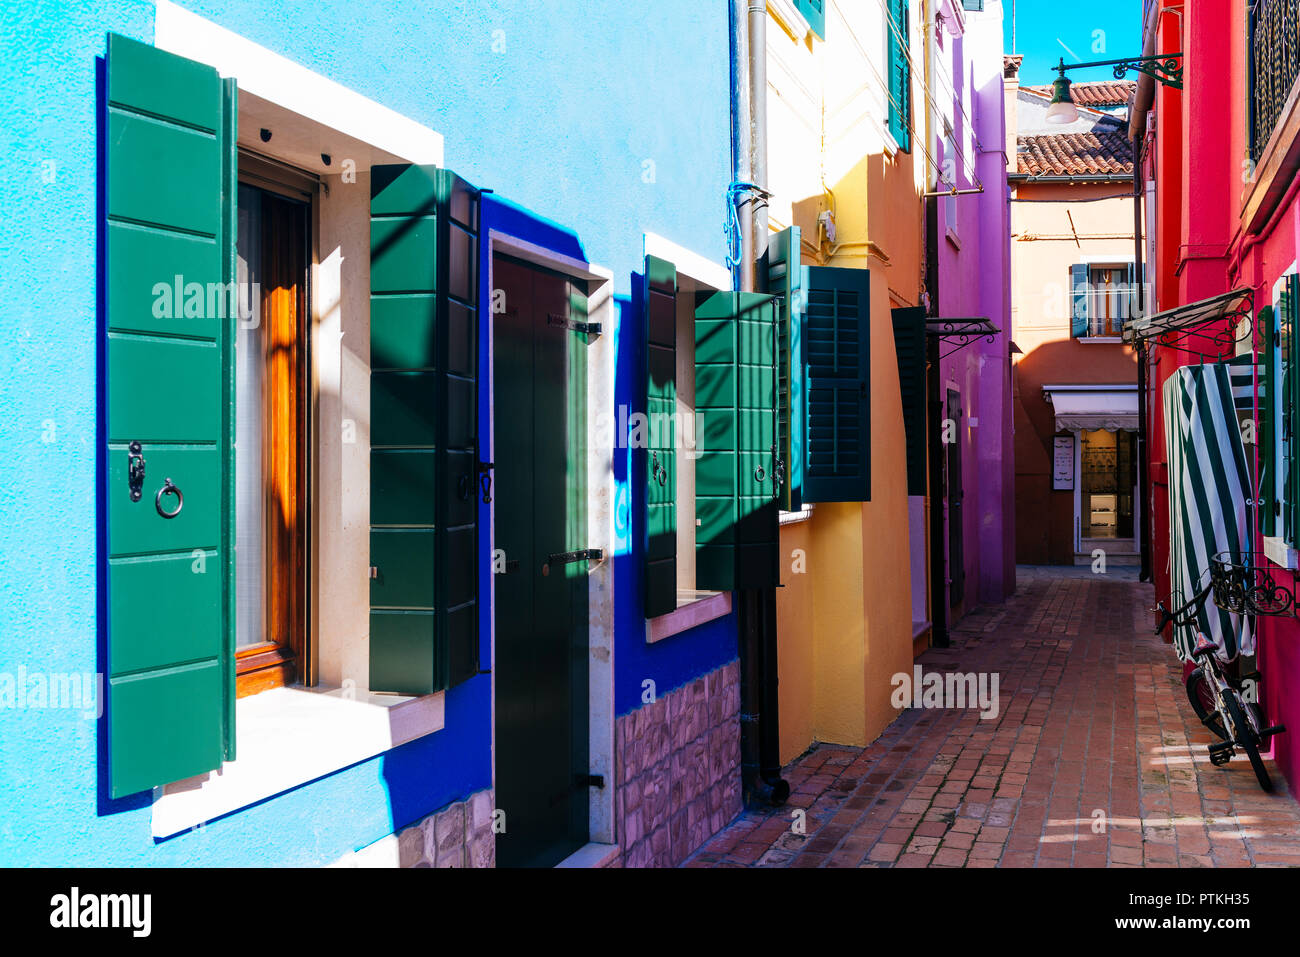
(1093, 30)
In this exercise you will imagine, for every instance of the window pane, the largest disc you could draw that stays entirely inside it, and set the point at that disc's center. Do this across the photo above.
(250, 364)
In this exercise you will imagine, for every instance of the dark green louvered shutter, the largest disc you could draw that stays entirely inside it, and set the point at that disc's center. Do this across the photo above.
(736, 509)
(1288, 314)
(1078, 300)
(909, 345)
(837, 363)
(1266, 428)
(785, 280)
(814, 11)
(900, 74)
(660, 575)
(170, 206)
(423, 429)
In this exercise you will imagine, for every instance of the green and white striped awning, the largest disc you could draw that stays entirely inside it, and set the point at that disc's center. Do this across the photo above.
(1209, 483)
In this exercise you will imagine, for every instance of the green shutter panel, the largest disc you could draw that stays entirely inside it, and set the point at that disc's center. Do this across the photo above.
(736, 507)
(1078, 300)
(909, 345)
(837, 362)
(660, 568)
(785, 277)
(1290, 308)
(814, 11)
(1266, 429)
(423, 429)
(169, 204)
(900, 74)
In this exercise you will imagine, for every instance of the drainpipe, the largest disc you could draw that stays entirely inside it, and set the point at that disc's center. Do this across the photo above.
(1144, 507)
(760, 752)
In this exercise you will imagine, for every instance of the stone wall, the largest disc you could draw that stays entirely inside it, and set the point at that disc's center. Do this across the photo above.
(458, 835)
(678, 770)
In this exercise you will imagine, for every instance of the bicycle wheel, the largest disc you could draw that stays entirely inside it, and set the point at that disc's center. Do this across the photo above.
(1246, 738)
(1201, 695)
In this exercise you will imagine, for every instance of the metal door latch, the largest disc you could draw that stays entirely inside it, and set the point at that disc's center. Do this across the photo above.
(135, 470)
(590, 328)
(485, 481)
(586, 554)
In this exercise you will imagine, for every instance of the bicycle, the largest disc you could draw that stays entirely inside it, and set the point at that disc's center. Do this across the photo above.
(1218, 698)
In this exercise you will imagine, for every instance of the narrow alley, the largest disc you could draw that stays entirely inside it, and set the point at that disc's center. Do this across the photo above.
(1094, 759)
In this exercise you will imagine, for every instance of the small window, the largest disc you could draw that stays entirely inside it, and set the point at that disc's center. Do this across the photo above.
(1103, 295)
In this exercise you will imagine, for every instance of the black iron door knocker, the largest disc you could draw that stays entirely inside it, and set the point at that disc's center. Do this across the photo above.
(657, 470)
(169, 488)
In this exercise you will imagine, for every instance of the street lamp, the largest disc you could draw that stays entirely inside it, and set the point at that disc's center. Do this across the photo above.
(1167, 68)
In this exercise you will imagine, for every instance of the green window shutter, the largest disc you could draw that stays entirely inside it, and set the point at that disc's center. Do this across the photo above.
(814, 11)
(1267, 425)
(736, 508)
(169, 204)
(1078, 300)
(660, 568)
(909, 345)
(784, 276)
(837, 384)
(423, 429)
(900, 74)
(1290, 316)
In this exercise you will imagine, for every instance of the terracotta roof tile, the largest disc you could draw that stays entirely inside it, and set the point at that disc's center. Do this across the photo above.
(1103, 95)
(1075, 154)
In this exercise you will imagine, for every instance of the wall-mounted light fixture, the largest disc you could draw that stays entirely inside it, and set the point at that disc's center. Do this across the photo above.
(1166, 68)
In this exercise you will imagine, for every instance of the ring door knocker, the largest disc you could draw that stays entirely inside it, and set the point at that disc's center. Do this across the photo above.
(169, 488)
(657, 470)
(760, 474)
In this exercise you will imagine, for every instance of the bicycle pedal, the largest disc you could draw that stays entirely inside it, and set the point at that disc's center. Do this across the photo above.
(1220, 758)
(1221, 746)
(1272, 730)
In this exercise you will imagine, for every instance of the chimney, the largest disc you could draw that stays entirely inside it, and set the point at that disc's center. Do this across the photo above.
(1011, 89)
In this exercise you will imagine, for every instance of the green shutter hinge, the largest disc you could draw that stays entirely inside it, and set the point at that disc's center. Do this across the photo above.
(590, 328)
(590, 780)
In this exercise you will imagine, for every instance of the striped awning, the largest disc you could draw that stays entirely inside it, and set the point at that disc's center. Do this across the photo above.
(1209, 483)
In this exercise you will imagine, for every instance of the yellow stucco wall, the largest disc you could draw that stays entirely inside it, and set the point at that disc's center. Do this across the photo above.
(844, 621)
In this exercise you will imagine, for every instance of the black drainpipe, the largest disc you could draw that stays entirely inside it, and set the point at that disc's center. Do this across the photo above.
(1144, 500)
(934, 392)
(760, 743)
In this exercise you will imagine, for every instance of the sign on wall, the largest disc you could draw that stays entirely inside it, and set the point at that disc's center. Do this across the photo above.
(1063, 463)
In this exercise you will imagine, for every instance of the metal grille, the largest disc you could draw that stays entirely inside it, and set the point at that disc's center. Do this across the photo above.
(1274, 65)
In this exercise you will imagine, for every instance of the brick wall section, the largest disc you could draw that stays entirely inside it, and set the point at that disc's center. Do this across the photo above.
(459, 835)
(678, 770)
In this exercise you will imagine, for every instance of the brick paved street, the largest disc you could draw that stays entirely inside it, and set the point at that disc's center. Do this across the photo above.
(1094, 723)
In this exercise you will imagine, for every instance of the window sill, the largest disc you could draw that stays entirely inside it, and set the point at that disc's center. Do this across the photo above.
(1279, 553)
(950, 234)
(790, 518)
(287, 737)
(1089, 340)
(717, 605)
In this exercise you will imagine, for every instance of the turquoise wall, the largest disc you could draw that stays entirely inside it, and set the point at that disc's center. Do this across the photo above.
(562, 120)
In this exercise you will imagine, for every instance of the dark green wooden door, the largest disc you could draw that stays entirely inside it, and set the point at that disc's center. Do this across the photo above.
(539, 417)
(169, 203)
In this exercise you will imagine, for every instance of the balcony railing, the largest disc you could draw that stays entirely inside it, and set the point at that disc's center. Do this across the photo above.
(1274, 65)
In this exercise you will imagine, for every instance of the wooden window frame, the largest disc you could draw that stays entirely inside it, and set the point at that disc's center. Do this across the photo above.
(274, 664)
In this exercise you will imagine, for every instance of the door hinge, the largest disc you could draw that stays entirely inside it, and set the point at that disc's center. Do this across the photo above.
(591, 781)
(586, 554)
(590, 328)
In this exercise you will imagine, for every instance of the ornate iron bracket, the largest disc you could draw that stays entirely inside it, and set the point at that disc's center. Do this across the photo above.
(962, 332)
(1167, 68)
(1244, 588)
